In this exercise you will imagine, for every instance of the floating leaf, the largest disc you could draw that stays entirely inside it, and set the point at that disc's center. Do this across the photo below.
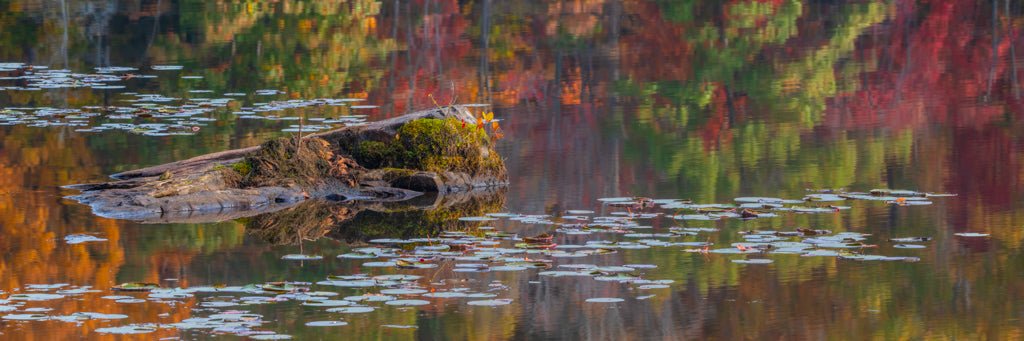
(349, 284)
(490, 303)
(302, 257)
(130, 300)
(34, 297)
(129, 329)
(326, 323)
(135, 286)
(82, 238)
(403, 291)
(328, 303)
(910, 239)
(407, 302)
(484, 218)
(370, 298)
(752, 261)
(26, 317)
(379, 264)
(653, 286)
(270, 337)
(908, 246)
(351, 310)
(445, 294)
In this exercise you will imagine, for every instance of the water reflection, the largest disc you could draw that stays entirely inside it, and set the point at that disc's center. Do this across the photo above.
(683, 99)
(423, 216)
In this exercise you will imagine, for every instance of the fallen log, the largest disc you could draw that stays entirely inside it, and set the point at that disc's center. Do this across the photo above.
(390, 160)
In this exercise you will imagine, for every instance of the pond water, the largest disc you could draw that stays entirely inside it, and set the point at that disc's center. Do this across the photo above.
(706, 101)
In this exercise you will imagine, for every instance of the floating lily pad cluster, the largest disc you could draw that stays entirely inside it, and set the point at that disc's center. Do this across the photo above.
(152, 114)
(35, 77)
(821, 201)
(484, 249)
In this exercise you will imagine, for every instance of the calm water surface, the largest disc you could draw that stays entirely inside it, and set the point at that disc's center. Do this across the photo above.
(666, 99)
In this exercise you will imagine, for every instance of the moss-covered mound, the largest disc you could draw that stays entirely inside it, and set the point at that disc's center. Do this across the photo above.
(433, 145)
(392, 160)
(429, 144)
(287, 161)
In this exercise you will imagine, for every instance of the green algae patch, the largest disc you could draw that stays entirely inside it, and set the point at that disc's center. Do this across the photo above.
(433, 145)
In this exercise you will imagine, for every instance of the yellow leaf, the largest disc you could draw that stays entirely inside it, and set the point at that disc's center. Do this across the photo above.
(494, 125)
(488, 116)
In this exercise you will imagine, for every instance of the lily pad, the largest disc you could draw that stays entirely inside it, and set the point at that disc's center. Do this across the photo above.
(130, 300)
(270, 337)
(445, 294)
(823, 197)
(326, 323)
(508, 268)
(910, 239)
(407, 302)
(349, 284)
(752, 261)
(605, 300)
(167, 67)
(403, 291)
(135, 286)
(351, 310)
(908, 246)
(490, 303)
(302, 257)
(26, 317)
(759, 200)
(129, 329)
(483, 218)
(170, 295)
(370, 298)
(615, 199)
(82, 238)
(34, 297)
(100, 316)
(563, 273)
(379, 264)
(328, 303)
(653, 286)
(390, 241)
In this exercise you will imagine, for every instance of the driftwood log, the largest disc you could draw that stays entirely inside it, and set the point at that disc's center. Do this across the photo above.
(395, 159)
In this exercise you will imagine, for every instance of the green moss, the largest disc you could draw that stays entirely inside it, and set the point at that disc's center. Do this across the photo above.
(243, 167)
(432, 145)
(374, 154)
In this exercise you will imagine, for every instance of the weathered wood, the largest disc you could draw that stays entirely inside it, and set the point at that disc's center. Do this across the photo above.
(198, 189)
(387, 126)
